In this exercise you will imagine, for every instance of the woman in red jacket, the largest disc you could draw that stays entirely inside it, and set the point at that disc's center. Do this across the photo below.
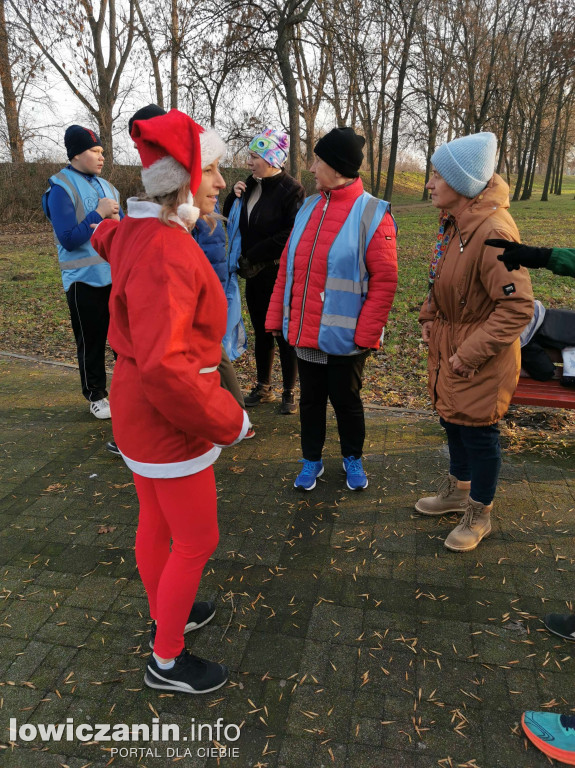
(171, 416)
(335, 287)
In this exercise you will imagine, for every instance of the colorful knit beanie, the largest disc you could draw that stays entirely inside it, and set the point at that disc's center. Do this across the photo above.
(272, 146)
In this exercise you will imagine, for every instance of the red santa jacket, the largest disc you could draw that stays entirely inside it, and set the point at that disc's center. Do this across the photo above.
(381, 262)
(167, 320)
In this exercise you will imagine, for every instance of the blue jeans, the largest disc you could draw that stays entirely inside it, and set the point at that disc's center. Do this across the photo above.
(475, 454)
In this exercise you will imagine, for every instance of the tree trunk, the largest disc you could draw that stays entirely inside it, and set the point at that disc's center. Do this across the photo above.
(505, 129)
(145, 33)
(10, 108)
(432, 128)
(563, 149)
(174, 55)
(105, 122)
(282, 48)
(398, 102)
(552, 160)
(521, 162)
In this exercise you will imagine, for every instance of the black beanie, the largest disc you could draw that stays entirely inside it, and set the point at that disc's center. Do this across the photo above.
(341, 150)
(78, 140)
(152, 110)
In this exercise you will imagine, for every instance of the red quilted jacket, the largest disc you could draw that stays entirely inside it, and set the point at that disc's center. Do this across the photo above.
(381, 262)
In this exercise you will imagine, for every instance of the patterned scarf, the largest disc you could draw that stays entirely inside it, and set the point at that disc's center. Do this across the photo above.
(441, 243)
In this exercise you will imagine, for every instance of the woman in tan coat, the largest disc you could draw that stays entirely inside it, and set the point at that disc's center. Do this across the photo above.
(471, 320)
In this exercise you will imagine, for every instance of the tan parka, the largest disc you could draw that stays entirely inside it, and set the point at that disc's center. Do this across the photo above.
(478, 310)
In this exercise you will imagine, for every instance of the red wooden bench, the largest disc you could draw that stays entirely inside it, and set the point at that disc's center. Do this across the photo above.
(544, 393)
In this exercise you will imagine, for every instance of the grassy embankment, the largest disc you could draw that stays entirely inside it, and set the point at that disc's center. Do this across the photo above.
(35, 316)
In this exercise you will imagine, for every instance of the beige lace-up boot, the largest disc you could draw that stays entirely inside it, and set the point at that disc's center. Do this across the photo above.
(475, 525)
(449, 498)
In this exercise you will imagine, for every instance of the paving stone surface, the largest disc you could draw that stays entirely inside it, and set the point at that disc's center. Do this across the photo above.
(354, 638)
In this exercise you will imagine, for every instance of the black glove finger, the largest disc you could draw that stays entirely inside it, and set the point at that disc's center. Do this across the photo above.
(509, 263)
(497, 242)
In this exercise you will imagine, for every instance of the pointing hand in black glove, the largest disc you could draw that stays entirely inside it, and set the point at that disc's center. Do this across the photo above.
(518, 255)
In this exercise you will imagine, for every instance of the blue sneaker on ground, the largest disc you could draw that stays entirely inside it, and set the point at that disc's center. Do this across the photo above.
(356, 477)
(553, 734)
(309, 474)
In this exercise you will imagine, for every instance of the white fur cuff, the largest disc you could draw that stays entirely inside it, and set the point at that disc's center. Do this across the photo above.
(164, 176)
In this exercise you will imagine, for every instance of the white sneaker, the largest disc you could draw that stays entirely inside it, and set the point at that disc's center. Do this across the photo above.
(101, 409)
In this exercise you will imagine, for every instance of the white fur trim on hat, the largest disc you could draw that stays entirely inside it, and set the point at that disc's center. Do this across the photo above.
(212, 145)
(164, 176)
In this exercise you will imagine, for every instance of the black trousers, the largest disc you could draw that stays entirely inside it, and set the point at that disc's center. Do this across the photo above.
(90, 319)
(340, 381)
(259, 291)
(556, 331)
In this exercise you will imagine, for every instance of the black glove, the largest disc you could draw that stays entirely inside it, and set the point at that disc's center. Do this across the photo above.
(518, 255)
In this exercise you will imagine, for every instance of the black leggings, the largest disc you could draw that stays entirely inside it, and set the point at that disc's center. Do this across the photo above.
(259, 291)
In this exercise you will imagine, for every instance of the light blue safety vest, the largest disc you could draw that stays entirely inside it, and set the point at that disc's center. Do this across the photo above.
(347, 278)
(235, 341)
(82, 264)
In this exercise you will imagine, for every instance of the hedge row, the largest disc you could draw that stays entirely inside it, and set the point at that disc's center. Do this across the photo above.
(22, 186)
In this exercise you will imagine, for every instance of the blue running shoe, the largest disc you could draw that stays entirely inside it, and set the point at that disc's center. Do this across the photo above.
(356, 477)
(553, 734)
(309, 474)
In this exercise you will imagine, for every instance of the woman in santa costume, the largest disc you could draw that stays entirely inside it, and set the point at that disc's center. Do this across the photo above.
(171, 416)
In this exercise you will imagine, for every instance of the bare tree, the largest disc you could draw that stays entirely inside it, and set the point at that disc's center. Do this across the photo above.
(435, 39)
(276, 21)
(9, 103)
(408, 10)
(87, 48)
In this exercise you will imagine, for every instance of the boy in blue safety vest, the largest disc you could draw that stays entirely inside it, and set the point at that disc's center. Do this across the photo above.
(75, 202)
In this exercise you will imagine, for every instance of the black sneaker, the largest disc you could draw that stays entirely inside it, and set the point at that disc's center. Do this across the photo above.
(261, 393)
(561, 624)
(200, 615)
(190, 674)
(113, 448)
(288, 402)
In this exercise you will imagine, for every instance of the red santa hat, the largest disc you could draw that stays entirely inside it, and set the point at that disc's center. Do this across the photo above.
(174, 149)
(169, 147)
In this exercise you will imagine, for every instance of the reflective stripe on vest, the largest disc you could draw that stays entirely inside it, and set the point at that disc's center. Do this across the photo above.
(347, 278)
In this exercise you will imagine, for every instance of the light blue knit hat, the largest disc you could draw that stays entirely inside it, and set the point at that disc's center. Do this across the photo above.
(467, 164)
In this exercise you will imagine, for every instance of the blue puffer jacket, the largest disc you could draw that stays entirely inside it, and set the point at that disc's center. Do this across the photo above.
(214, 246)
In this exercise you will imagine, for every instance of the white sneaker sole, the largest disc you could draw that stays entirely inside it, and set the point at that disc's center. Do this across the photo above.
(359, 488)
(161, 684)
(101, 415)
(311, 487)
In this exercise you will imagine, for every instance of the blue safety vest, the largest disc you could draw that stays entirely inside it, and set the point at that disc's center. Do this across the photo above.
(83, 264)
(347, 278)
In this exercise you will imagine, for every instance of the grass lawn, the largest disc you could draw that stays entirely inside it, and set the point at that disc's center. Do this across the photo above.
(35, 317)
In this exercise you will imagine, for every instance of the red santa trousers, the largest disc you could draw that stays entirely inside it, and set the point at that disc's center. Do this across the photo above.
(182, 510)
